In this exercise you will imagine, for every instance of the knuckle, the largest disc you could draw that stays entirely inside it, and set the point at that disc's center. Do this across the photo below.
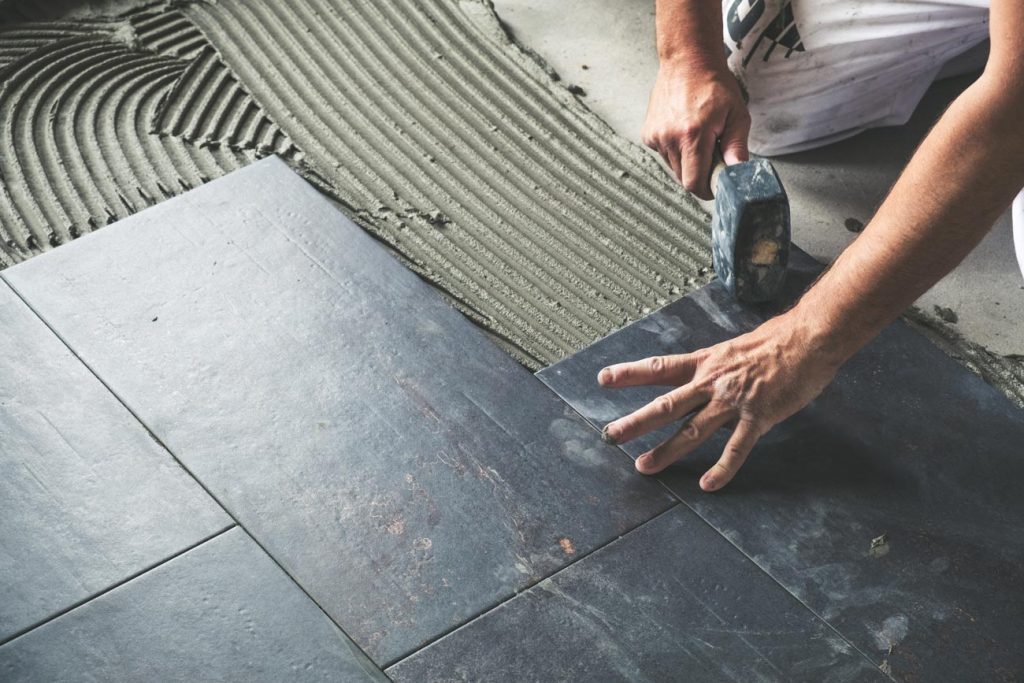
(664, 405)
(692, 431)
(689, 133)
(655, 364)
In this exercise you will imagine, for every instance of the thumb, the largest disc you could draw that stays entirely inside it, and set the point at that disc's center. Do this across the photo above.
(734, 141)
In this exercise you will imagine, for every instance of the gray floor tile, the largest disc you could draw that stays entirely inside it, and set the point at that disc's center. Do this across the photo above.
(905, 444)
(87, 498)
(672, 600)
(407, 472)
(223, 611)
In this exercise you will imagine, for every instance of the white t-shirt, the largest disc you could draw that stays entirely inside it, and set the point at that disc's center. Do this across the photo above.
(818, 71)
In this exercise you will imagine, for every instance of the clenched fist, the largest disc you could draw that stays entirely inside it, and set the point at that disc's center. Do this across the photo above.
(692, 109)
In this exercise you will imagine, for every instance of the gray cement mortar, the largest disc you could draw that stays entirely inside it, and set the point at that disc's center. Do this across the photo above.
(479, 163)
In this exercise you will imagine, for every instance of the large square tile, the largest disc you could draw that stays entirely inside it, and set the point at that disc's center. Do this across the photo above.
(670, 601)
(402, 468)
(906, 444)
(87, 497)
(223, 611)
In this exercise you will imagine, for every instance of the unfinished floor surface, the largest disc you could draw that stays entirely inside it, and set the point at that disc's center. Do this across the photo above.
(437, 133)
(404, 472)
(409, 493)
(456, 145)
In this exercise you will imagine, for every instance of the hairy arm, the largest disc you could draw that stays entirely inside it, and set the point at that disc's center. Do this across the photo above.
(965, 173)
(695, 101)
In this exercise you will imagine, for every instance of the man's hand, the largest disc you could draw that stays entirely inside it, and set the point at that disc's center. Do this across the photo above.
(940, 208)
(942, 205)
(752, 382)
(696, 101)
(691, 109)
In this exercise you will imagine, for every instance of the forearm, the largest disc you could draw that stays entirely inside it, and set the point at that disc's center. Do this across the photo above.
(963, 176)
(690, 34)
(696, 103)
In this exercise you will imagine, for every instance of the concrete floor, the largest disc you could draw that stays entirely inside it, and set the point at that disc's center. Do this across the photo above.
(614, 39)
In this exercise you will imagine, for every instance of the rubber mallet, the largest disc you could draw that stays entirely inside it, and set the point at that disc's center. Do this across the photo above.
(750, 229)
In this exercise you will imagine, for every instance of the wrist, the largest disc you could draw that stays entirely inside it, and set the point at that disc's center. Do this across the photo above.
(827, 332)
(694, 63)
(832, 339)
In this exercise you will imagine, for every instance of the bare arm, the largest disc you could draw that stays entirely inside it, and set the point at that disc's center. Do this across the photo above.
(962, 177)
(965, 173)
(690, 32)
(696, 100)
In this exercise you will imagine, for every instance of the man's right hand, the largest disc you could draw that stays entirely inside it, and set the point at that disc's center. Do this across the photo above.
(692, 108)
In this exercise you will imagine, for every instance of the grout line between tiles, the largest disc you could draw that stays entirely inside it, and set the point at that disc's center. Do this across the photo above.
(676, 498)
(118, 584)
(184, 467)
(500, 603)
(814, 612)
(701, 517)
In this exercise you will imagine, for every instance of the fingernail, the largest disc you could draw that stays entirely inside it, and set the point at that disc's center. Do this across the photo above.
(607, 436)
(644, 462)
(604, 376)
(710, 483)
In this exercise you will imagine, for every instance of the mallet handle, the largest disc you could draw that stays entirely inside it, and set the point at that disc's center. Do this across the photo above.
(717, 166)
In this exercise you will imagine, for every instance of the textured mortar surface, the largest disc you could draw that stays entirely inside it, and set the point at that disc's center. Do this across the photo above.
(437, 134)
(460, 149)
(614, 40)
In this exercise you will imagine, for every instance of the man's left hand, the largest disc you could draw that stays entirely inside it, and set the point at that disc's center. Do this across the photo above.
(750, 383)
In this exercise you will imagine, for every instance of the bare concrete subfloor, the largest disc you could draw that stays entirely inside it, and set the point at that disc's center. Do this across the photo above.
(614, 40)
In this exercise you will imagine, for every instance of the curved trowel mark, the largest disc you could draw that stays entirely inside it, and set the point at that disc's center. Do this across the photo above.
(76, 147)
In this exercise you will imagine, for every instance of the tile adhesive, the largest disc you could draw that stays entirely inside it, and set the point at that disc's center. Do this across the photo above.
(453, 145)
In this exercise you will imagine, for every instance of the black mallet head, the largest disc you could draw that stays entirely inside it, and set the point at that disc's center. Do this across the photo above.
(750, 230)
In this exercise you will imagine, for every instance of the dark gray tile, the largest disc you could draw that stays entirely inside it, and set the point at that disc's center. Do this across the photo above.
(220, 612)
(703, 318)
(905, 443)
(87, 498)
(672, 600)
(405, 470)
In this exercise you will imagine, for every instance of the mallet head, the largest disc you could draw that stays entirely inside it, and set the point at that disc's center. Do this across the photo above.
(750, 230)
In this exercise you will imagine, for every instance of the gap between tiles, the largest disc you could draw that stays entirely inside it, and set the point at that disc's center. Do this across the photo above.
(730, 541)
(115, 585)
(188, 471)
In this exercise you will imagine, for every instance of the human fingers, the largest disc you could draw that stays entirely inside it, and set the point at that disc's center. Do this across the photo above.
(699, 429)
(742, 441)
(696, 149)
(661, 411)
(668, 370)
(670, 153)
(735, 136)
